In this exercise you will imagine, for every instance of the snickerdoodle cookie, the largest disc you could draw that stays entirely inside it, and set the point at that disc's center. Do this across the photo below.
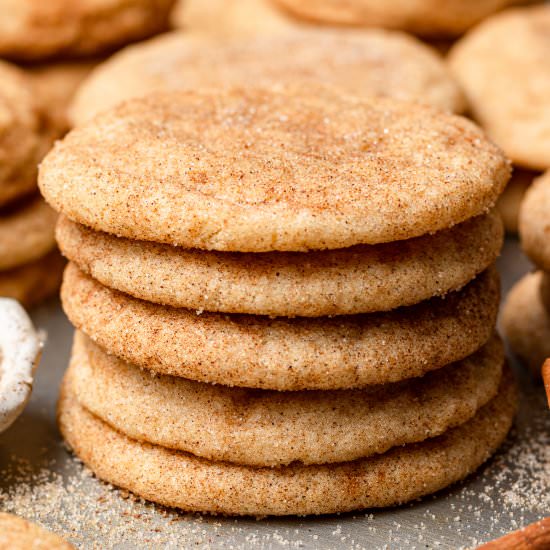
(182, 480)
(33, 282)
(27, 232)
(229, 18)
(360, 279)
(526, 322)
(269, 428)
(509, 203)
(285, 354)
(19, 534)
(534, 223)
(426, 17)
(366, 63)
(31, 30)
(260, 170)
(503, 67)
(20, 140)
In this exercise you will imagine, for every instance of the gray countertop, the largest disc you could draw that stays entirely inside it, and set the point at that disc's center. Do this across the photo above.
(40, 480)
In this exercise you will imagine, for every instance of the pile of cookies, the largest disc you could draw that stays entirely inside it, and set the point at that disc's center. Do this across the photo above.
(30, 268)
(507, 84)
(526, 314)
(285, 299)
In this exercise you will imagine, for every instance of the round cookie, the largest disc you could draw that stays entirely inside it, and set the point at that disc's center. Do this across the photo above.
(260, 170)
(32, 283)
(363, 63)
(534, 225)
(55, 85)
(270, 428)
(20, 127)
(230, 18)
(27, 233)
(184, 481)
(509, 203)
(19, 534)
(513, 105)
(31, 30)
(360, 279)
(284, 354)
(425, 17)
(526, 322)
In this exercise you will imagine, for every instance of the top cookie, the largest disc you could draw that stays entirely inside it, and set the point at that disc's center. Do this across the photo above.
(426, 17)
(258, 170)
(20, 142)
(32, 30)
(503, 67)
(363, 63)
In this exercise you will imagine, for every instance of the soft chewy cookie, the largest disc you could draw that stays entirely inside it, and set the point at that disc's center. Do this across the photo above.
(184, 481)
(509, 203)
(269, 428)
(31, 30)
(507, 81)
(26, 233)
(20, 127)
(534, 223)
(364, 63)
(32, 283)
(426, 17)
(20, 348)
(285, 354)
(262, 170)
(230, 17)
(526, 322)
(19, 534)
(360, 279)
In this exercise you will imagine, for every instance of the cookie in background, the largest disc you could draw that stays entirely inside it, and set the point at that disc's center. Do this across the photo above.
(507, 85)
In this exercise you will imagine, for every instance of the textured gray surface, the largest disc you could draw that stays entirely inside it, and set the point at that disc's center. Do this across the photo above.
(40, 480)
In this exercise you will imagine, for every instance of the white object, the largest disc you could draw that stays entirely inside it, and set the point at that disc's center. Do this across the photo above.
(20, 347)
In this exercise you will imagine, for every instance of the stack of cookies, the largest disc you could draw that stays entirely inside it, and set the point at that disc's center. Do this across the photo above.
(30, 269)
(526, 314)
(507, 83)
(285, 299)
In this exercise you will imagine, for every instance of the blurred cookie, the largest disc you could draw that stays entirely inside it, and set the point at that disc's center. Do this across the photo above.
(270, 428)
(31, 30)
(425, 17)
(19, 534)
(229, 18)
(360, 279)
(364, 63)
(534, 223)
(26, 233)
(32, 283)
(20, 127)
(184, 481)
(509, 202)
(285, 354)
(263, 170)
(526, 322)
(503, 68)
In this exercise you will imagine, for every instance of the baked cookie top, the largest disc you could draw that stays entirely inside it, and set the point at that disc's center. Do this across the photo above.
(425, 17)
(503, 68)
(258, 170)
(19, 534)
(31, 30)
(534, 225)
(20, 126)
(371, 62)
